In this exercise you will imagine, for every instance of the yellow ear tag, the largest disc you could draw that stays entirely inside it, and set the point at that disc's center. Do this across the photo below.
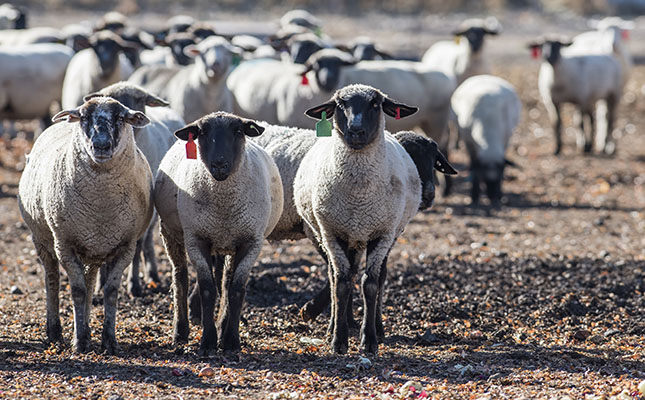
(323, 127)
(457, 39)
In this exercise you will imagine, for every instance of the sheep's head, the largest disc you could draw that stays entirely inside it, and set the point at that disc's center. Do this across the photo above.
(221, 137)
(201, 30)
(177, 43)
(549, 47)
(427, 157)
(214, 55)
(364, 48)
(476, 29)
(302, 46)
(130, 95)
(357, 111)
(107, 46)
(103, 121)
(327, 64)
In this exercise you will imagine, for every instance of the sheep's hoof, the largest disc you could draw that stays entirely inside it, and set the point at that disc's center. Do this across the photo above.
(610, 149)
(55, 334)
(339, 347)
(81, 345)
(305, 313)
(207, 347)
(109, 345)
(135, 289)
(588, 147)
(369, 346)
(230, 343)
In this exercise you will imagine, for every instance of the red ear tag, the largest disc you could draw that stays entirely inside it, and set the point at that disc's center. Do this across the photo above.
(398, 113)
(304, 80)
(191, 148)
(536, 52)
(624, 34)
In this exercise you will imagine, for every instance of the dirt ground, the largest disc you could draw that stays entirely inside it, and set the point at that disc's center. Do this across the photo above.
(541, 299)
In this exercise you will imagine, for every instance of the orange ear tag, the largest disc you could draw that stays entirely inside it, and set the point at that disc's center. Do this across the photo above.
(536, 52)
(398, 113)
(304, 81)
(191, 148)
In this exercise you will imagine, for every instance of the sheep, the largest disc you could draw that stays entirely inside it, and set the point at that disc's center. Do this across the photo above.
(197, 89)
(300, 18)
(112, 21)
(364, 48)
(355, 192)
(154, 140)
(86, 196)
(94, 68)
(462, 59)
(171, 52)
(582, 80)
(488, 110)
(223, 204)
(32, 79)
(12, 17)
(23, 37)
(303, 45)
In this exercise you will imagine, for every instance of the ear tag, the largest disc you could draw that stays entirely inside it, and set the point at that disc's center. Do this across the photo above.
(323, 127)
(398, 113)
(305, 80)
(191, 148)
(236, 60)
(536, 52)
(457, 39)
(318, 32)
(624, 34)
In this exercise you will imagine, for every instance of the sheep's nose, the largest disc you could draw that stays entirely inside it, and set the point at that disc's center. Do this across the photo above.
(101, 144)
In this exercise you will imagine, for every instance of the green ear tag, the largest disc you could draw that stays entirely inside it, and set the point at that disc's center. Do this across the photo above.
(323, 127)
(318, 32)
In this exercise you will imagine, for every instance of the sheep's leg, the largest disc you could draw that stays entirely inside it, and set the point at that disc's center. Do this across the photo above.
(91, 275)
(52, 285)
(134, 285)
(234, 279)
(380, 330)
(315, 306)
(556, 119)
(376, 254)
(339, 257)
(609, 145)
(195, 306)
(74, 269)
(199, 252)
(150, 272)
(115, 269)
(100, 282)
(174, 245)
(476, 186)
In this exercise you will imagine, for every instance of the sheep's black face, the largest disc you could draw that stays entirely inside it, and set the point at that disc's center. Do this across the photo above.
(366, 51)
(358, 116)
(475, 38)
(102, 121)
(551, 51)
(221, 138)
(328, 70)
(177, 47)
(301, 50)
(424, 153)
(107, 51)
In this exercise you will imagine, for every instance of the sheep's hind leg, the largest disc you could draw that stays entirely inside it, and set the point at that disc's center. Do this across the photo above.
(199, 252)
(174, 245)
(52, 286)
(370, 286)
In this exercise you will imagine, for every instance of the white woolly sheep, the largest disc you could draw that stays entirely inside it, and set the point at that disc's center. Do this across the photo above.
(488, 110)
(32, 79)
(582, 80)
(95, 68)
(12, 17)
(171, 52)
(224, 204)
(85, 194)
(300, 18)
(153, 140)
(23, 37)
(355, 192)
(197, 89)
(463, 57)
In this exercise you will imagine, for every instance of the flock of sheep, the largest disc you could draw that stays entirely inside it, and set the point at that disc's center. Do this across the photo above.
(247, 166)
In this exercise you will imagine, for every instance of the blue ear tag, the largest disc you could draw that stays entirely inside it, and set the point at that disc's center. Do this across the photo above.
(323, 127)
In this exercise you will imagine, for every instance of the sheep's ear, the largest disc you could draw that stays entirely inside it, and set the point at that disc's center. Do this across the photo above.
(154, 101)
(566, 43)
(491, 31)
(184, 132)
(316, 112)
(192, 51)
(90, 96)
(442, 165)
(136, 118)
(68, 115)
(252, 129)
(390, 108)
(384, 54)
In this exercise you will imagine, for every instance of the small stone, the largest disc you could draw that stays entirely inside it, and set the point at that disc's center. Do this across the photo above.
(115, 397)
(15, 290)
(611, 332)
(364, 362)
(581, 335)
(177, 372)
(206, 372)
(596, 339)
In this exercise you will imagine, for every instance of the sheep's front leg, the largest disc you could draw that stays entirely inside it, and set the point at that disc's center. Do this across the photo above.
(52, 286)
(233, 284)
(199, 251)
(370, 286)
(134, 285)
(80, 292)
(150, 272)
(341, 289)
(174, 245)
(115, 268)
(556, 119)
(380, 330)
(608, 145)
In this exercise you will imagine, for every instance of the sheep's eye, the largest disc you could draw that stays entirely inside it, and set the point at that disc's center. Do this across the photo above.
(375, 104)
(239, 131)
